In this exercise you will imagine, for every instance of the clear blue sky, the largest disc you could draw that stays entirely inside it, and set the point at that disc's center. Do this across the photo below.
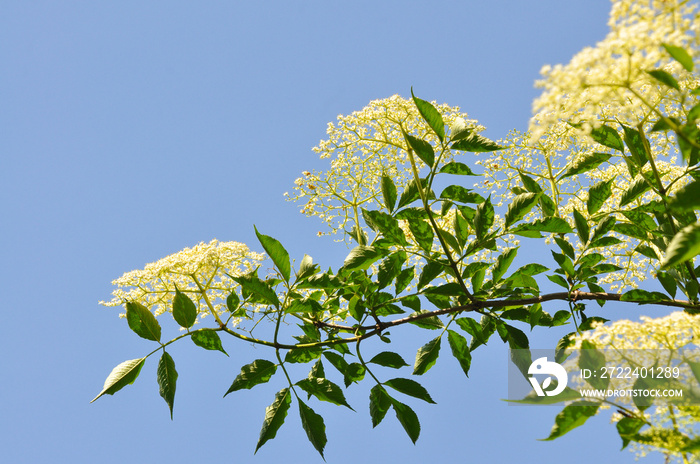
(130, 130)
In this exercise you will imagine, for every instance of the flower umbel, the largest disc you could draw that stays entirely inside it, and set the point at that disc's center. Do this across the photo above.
(204, 268)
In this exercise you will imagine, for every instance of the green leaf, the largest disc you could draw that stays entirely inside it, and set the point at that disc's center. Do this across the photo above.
(379, 403)
(694, 113)
(572, 416)
(476, 143)
(337, 361)
(503, 262)
(422, 148)
(642, 296)
(585, 163)
(460, 194)
(411, 388)
(274, 417)
(255, 373)
(407, 418)
(460, 350)
(354, 372)
(314, 427)
(592, 359)
(232, 301)
(582, 228)
(431, 116)
(208, 339)
(627, 428)
(142, 321)
(388, 192)
(681, 55)
(520, 206)
(253, 285)
(665, 78)
(550, 224)
(483, 220)
(427, 356)
(597, 195)
(361, 257)
(277, 253)
(683, 247)
(184, 310)
(423, 233)
(634, 141)
(431, 323)
(687, 198)
(668, 282)
(324, 390)
(608, 137)
(389, 359)
(385, 224)
(454, 167)
(167, 379)
(430, 271)
(473, 328)
(530, 184)
(121, 376)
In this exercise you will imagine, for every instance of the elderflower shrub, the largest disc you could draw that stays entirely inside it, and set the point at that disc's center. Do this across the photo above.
(666, 341)
(205, 268)
(606, 84)
(361, 148)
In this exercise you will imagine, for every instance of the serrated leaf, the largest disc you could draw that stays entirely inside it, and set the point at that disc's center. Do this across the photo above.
(427, 356)
(408, 419)
(423, 233)
(592, 359)
(385, 224)
(687, 198)
(314, 427)
(354, 372)
(184, 310)
(432, 323)
(627, 427)
(520, 206)
(572, 416)
(167, 380)
(252, 284)
(324, 390)
(124, 374)
(255, 373)
(483, 219)
(457, 168)
(389, 192)
(597, 195)
(389, 359)
(638, 295)
(582, 228)
(142, 321)
(476, 143)
(208, 339)
(274, 417)
(460, 350)
(422, 148)
(361, 257)
(607, 136)
(550, 224)
(232, 301)
(379, 403)
(635, 143)
(668, 282)
(411, 388)
(431, 116)
(503, 262)
(430, 271)
(585, 163)
(681, 55)
(665, 78)
(460, 194)
(473, 328)
(684, 246)
(276, 252)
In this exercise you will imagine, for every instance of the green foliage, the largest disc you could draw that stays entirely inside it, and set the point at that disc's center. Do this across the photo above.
(444, 263)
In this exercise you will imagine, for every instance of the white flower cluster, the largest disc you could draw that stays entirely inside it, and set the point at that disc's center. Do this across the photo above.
(362, 147)
(204, 267)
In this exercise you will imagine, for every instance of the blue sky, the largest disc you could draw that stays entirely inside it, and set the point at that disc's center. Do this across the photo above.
(131, 130)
